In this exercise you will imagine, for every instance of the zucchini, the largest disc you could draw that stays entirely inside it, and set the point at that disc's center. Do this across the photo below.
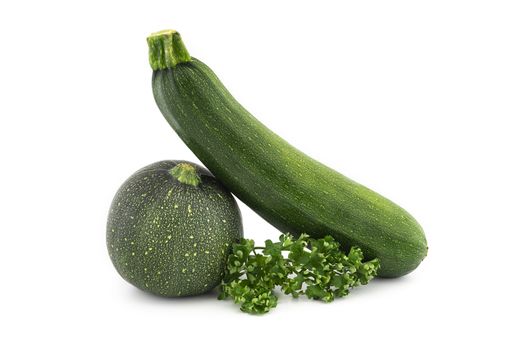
(290, 190)
(170, 229)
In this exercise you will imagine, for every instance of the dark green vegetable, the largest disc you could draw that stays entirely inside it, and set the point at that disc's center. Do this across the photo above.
(287, 188)
(170, 229)
(316, 268)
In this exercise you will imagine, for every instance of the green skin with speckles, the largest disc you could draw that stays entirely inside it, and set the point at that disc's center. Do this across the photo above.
(171, 238)
(290, 190)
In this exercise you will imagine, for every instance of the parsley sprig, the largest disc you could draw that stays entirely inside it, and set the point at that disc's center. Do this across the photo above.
(307, 266)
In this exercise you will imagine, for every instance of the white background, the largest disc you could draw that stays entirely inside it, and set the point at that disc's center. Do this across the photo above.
(421, 101)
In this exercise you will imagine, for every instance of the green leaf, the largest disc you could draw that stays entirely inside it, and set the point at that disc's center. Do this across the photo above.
(272, 249)
(303, 265)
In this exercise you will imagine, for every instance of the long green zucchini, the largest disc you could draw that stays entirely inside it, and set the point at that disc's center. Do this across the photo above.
(290, 190)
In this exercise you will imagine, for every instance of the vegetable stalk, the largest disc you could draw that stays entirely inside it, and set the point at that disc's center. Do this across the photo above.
(166, 49)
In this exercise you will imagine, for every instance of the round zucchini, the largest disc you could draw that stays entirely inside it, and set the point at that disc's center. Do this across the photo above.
(170, 229)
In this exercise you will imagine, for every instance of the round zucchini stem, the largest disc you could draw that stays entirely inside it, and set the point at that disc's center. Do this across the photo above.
(186, 173)
(166, 49)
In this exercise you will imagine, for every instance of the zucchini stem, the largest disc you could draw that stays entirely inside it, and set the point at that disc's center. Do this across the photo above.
(186, 173)
(166, 50)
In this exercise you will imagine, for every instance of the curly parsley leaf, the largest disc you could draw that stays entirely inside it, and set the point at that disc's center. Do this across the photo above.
(316, 268)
